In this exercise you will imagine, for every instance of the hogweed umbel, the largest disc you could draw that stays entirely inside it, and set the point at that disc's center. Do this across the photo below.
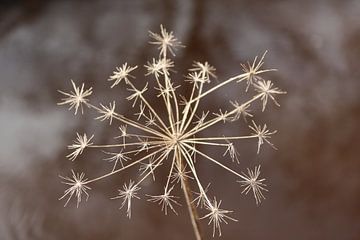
(173, 139)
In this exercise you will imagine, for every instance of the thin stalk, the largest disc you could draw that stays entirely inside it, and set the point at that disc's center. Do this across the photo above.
(194, 216)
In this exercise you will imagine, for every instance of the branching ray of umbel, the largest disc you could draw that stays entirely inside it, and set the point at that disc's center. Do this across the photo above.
(172, 139)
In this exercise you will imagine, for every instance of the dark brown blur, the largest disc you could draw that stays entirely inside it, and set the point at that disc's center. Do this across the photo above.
(314, 177)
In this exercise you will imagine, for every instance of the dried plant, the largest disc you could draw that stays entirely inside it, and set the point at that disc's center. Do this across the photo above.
(172, 139)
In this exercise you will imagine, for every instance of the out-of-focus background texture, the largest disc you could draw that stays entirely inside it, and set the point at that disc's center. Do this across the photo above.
(314, 177)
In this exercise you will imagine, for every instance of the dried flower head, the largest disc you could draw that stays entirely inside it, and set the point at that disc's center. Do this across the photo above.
(79, 145)
(76, 98)
(165, 40)
(171, 137)
(252, 183)
(166, 200)
(77, 183)
(217, 216)
(127, 194)
(121, 73)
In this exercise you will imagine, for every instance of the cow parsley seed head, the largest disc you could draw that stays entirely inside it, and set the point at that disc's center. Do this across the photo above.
(171, 136)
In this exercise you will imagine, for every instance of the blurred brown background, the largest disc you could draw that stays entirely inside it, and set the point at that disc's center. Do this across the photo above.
(313, 178)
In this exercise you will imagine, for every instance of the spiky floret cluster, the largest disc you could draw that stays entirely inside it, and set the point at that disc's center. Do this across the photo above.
(172, 139)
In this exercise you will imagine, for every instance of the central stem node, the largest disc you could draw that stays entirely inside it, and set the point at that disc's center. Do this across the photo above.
(175, 139)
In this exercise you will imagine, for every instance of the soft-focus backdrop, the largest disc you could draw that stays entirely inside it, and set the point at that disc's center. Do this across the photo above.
(313, 178)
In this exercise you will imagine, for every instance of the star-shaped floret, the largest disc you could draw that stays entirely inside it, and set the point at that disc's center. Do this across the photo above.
(262, 133)
(265, 88)
(149, 167)
(222, 116)
(144, 145)
(76, 98)
(231, 150)
(180, 175)
(205, 69)
(166, 200)
(141, 111)
(253, 70)
(124, 134)
(165, 40)
(79, 145)
(217, 216)
(116, 157)
(107, 112)
(136, 93)
(77, 183)
(150, 120)
(127, 194)
(200, 198)
(241, 110)
(196, 78)
(252, 182)
(121, 73)
(166, 91)
(159, 67)
(201, 119)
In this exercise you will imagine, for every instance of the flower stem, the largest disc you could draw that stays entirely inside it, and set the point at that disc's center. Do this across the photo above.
(192, 209)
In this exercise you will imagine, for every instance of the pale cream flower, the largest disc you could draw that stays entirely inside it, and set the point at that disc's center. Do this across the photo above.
(78, 187)
(76, 98)
(231, 150)
(252, 183)
(107, 112)
(121, 73)
(196, 79)
(79, 145)
(117, 157)
(265, 88)
(241, 110)
(127, 194)
(165, 40)
(253, 70)
(217, 216)
(136, 94)
(263, 134)
(166, 200)
(205, 69)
